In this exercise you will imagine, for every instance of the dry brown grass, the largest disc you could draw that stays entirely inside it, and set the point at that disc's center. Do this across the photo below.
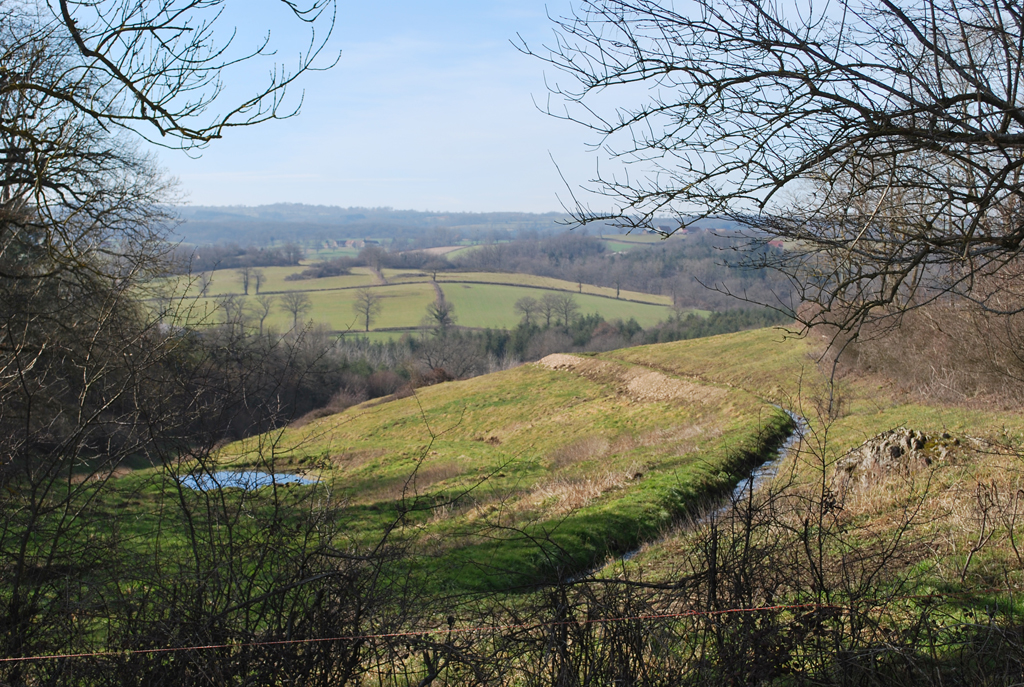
(947, 354)
(588, 448)
(353, 460)
(428, 476)
(639, 384)
(565, 494)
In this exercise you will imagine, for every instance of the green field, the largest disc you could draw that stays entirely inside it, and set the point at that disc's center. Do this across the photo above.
(621, 247)
(512, 279)
(513, 481)
(551, 283)
(402, 306)
(638, 238)
(492, 305)
(227, 282)
(481, 299)
(512, 474)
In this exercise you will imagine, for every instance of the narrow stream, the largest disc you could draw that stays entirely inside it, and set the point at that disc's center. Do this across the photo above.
(758, 476)
(766, 470)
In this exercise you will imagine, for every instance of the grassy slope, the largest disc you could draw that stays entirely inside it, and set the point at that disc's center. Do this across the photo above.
(512, 476)
(531, 470)
(784, 370)
(957, 500)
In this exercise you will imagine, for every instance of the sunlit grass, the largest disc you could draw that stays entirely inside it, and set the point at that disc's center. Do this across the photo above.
(493, 305)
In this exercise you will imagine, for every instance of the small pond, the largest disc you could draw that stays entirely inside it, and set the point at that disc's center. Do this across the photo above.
(244, 479)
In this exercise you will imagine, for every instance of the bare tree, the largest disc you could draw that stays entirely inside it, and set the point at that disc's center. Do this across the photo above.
(155, 67)
(441, 314)
(245, 276)
(264, 304)
(617, 278)
(373, 256)
(579, 275)
(233, 308)
(293, 253)
(452, 352)
(298, 304)
(436, 265)
(527, 307)
(205, 280)
(566, 307)
(367, 306)
(883, 138)
(258, 276)
(548, 306)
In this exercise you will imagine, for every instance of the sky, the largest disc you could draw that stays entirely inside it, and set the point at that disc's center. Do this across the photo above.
(430, 107)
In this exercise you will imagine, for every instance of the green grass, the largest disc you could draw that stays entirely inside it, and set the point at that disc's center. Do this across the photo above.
(492, 305)
(637, 238)
(330, 253)
(227, 282)
(522, 456)
(945, 492)
(510, 478)
(550, 283)
(482, 299)
(402, 306)
(462, 251)
(621, 246)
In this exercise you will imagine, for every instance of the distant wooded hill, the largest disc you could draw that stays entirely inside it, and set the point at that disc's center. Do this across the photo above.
(284, 222)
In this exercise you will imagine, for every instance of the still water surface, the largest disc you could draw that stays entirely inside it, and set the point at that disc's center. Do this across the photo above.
(245, 479)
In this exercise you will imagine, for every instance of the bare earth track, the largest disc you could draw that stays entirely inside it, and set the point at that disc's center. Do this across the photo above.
(639, 384)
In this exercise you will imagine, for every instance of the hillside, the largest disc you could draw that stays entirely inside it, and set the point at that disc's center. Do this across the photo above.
(611, 448)
(515, 477)
(482, 520)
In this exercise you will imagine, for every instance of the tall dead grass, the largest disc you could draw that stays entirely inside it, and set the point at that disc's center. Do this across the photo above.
(952, 353)
(569, 494)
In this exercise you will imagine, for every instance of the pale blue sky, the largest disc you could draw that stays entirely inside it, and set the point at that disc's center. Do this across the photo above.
(429, 108)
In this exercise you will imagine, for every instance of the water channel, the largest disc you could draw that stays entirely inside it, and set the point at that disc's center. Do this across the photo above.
(758, 476)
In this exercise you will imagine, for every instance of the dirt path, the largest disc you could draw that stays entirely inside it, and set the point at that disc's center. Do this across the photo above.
(640, 384)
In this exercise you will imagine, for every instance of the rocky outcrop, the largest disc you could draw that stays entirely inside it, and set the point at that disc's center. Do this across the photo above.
(899, 451)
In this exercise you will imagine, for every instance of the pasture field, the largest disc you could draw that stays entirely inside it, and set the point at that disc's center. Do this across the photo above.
(331, 253)
(637, 238)
(530, 280)
(402, 306)
(227, 282)
(493, 305)
(462, 250)
(552, 283)
(620, 246)
(482, 299)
